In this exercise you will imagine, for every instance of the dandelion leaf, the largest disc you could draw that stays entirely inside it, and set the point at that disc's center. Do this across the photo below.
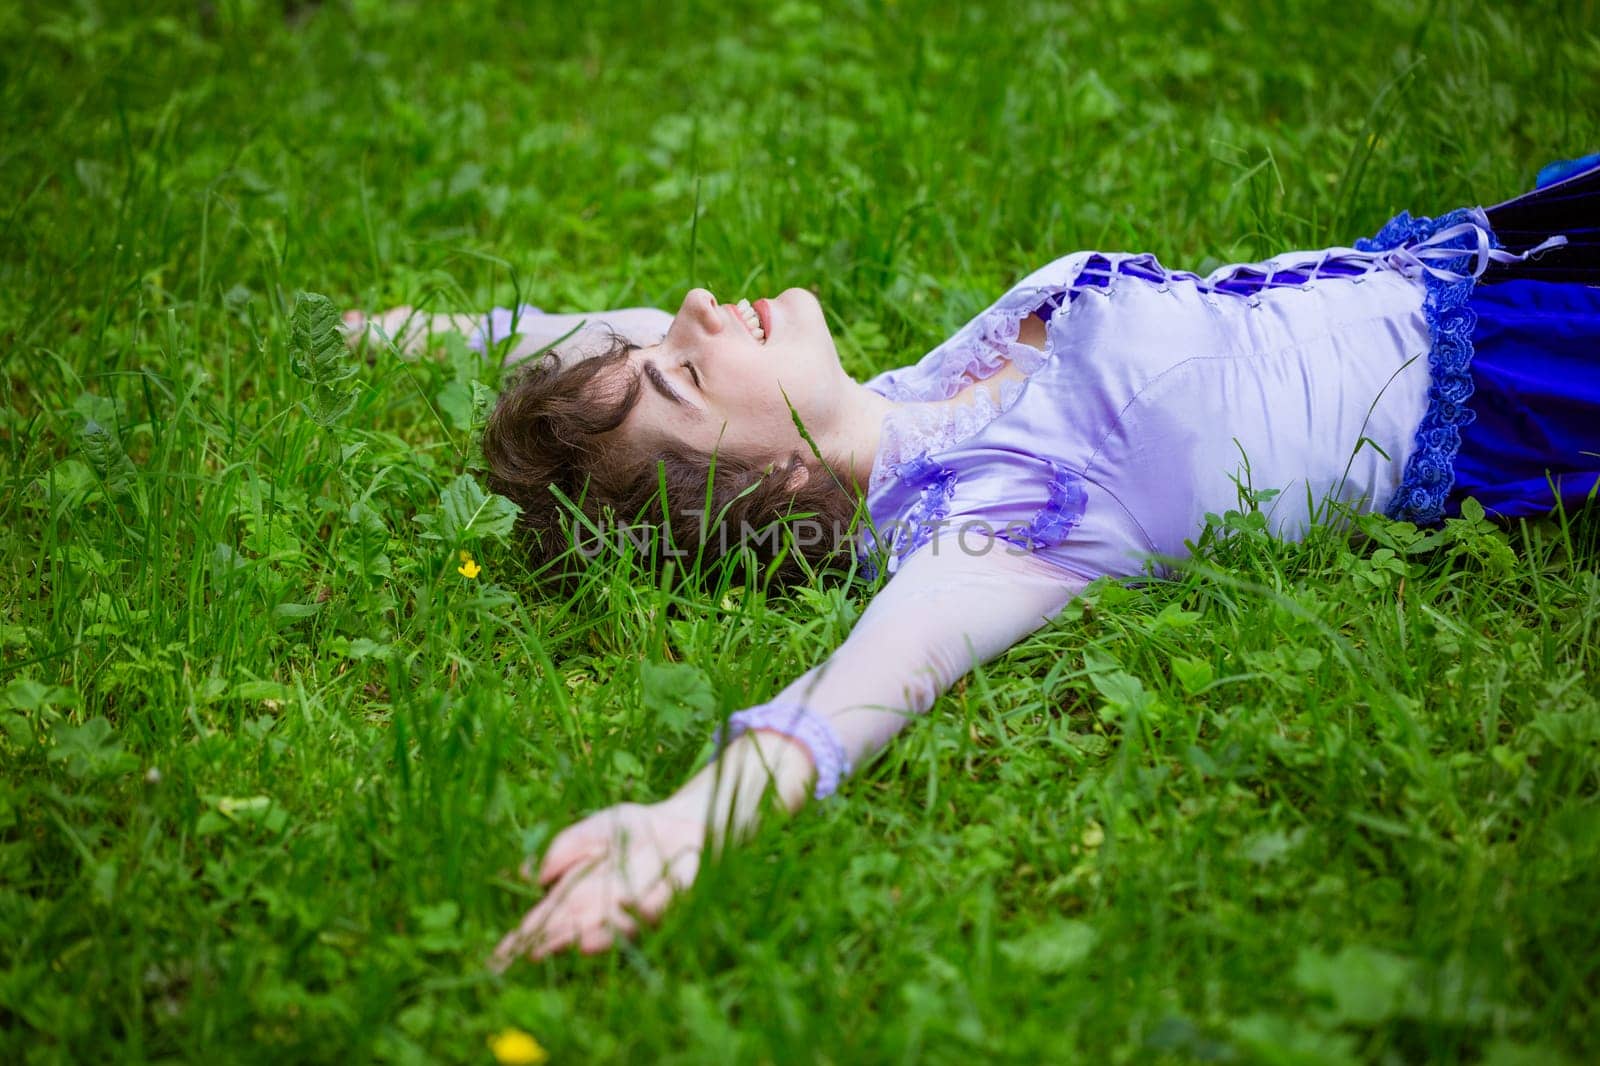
(320, 357)
(104, 451)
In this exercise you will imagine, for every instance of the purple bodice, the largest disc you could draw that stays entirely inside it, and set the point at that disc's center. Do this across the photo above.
(1161, 397)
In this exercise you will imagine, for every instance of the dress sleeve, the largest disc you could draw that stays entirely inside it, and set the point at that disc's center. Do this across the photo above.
(945, 611)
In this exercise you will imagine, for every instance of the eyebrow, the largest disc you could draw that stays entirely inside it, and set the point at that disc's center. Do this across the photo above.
(657, 381)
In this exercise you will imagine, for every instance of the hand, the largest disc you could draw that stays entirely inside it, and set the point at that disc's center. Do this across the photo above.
(607, 873)
(404, 327)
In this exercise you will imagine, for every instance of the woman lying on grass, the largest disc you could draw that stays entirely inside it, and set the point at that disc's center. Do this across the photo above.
(1082, 426)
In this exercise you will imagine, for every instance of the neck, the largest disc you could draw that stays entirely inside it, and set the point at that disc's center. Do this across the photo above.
(855, 442)
(860, 435)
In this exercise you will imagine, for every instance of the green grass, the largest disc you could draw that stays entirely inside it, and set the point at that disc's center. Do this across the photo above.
(269, 760)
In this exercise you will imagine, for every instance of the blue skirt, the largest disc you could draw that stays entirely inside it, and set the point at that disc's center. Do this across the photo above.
(1535, 439)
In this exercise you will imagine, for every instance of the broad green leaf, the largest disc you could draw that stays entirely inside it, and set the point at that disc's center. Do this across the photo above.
(1121, 690)
(467, 513)
(90, 750)
(454, 401)
(676, 694)
(1173, 617)
(1268, 847)
(317, 349)
(437, 925)
(1053, 948)
(260, 690)
(104, 452)
(1274, 1040)
(1192, 674)
(26, 694)
(1367, 985)
(230, 811)
(65, 485)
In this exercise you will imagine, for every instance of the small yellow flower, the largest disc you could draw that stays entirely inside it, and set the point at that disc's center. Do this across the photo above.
(468, 568)
(513, 1047)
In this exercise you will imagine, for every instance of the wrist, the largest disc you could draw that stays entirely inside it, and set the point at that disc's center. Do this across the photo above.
(729, 790)
(787, 762)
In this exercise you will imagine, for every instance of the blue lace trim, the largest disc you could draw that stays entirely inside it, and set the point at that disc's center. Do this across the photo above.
(938, 485)
(901, 537)
(1061, 513)
(1430, 472)
(1063, 509)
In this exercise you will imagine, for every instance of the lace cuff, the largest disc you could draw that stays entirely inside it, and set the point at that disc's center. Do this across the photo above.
(805, 727)
(497, 326)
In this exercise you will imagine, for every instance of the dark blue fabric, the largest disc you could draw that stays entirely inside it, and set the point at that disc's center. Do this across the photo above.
(1536, 365)
(1568, 205)
(1563, 169)
(1536, 372)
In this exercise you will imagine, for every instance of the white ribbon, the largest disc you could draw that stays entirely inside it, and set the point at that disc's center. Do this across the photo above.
(1420, 257)
(1411, 260)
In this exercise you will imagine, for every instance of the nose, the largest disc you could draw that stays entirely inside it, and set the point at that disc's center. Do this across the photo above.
(699, 311)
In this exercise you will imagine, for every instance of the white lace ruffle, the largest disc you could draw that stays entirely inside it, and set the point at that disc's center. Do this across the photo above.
(923, 424)
(915, 429)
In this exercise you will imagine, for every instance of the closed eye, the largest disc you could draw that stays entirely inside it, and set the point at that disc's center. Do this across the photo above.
(693, 374)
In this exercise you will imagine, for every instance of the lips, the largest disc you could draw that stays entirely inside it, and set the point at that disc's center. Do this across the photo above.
(764, 313)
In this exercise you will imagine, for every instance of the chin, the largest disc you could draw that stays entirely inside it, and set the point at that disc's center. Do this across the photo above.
(802, 304)
(803, 316)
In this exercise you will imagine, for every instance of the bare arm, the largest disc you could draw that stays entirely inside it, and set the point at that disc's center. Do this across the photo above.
(941, 615)
(536, 332)
(413, 331)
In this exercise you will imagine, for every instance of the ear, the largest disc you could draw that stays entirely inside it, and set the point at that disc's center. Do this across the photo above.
(797, 479)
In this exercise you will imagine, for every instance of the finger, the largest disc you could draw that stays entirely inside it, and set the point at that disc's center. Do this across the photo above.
(551, 940)
(572, 927)
(536, 926)
(505, 953)
(586, 840)
(603, 935)
(622, 925)
(539, 935)
(591, 923)
(519, 940)
(654, 901)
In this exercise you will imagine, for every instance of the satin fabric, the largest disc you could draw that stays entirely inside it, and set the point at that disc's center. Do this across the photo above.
(1167, 402)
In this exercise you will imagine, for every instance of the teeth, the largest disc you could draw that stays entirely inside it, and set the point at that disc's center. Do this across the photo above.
(751, 319)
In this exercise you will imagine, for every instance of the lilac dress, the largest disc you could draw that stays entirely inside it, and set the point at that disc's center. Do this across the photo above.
(1310, 385)
(1154, 402)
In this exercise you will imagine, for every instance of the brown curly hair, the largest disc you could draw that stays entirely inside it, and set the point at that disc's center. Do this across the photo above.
(550, 448)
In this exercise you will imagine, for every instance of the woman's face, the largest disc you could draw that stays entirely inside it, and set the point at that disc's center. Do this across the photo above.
(713, 385)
